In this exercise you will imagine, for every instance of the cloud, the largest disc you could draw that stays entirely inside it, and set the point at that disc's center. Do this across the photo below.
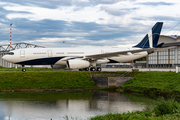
(52, 4)
(156, 3)
(2, 12)
(165, 18)
(101, 19)
(54, 32)
(105, 1)
(117, 12)
(83, 22)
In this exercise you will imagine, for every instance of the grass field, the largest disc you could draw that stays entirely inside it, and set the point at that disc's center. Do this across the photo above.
(29, 69)
(160, 83)
(45, 80)
(48, 79)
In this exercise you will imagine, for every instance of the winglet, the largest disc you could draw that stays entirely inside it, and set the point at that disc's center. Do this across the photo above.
(151, 39)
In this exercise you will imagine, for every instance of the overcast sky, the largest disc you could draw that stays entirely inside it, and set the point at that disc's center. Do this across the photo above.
(85, 23)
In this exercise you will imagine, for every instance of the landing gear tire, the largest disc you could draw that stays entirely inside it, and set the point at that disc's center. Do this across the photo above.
(98, 69)
(93, 69)
(24, 70)
(86, 69)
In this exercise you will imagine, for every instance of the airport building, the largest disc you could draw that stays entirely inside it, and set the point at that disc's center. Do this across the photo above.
(167, 58)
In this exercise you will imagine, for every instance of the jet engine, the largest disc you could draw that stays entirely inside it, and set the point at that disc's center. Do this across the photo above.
(102, 61)
(77, 64)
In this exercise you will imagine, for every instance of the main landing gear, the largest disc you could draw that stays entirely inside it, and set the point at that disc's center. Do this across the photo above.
(95, 69)
(91, 69)
(23, 68)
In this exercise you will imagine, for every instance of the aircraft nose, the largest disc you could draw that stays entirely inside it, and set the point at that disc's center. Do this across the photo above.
(5, 58)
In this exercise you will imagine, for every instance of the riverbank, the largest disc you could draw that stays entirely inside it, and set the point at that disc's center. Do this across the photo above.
(50, 80)
(163, 110)
(157, 83)
(153, 83)
(165, 84)
(36, 81)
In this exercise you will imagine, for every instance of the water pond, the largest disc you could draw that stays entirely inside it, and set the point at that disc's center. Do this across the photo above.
(63, 105)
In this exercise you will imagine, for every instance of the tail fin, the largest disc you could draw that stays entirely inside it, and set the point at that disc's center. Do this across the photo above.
(151, 39)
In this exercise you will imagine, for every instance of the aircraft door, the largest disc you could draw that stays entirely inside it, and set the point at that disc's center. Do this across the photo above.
(49, 53)
(22, 53)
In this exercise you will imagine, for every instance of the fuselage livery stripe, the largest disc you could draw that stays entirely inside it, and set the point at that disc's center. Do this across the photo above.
(41, 61)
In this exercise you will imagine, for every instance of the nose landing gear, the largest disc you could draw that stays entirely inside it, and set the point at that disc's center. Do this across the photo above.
(23, 68)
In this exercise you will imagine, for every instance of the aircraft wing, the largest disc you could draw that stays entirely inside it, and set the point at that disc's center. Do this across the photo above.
(115, 54)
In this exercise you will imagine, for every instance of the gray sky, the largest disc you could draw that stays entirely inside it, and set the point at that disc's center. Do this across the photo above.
(85, 23)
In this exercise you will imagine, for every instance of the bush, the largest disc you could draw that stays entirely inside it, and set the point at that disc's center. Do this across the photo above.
(166, 107)
(109, 116)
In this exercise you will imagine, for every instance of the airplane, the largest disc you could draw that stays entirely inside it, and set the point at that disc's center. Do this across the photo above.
(85, 58)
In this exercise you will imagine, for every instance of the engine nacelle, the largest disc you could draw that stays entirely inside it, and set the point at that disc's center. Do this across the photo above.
(77, 64)
(102, 61)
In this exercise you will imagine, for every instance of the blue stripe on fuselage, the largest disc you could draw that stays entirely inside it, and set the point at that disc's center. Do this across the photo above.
(42, 61)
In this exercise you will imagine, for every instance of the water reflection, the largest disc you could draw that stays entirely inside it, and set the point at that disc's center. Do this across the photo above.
(58, 105)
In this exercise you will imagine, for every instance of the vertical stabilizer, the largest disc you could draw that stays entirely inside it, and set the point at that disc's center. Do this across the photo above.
(151, 39)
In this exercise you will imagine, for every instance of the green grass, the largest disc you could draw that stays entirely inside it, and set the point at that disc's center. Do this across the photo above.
(160, 83)
(45, 80)
(163, 110)
(48, 79)
(29, 69)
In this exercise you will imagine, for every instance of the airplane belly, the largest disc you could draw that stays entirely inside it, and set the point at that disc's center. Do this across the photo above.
(126, 58)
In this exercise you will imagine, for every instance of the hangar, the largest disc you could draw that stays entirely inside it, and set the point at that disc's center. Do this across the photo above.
(167, 58)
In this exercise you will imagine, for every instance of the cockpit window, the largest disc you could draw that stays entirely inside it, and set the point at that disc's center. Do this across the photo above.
(10, 53)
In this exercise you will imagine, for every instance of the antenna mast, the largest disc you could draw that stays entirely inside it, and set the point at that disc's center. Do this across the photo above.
(10, 34)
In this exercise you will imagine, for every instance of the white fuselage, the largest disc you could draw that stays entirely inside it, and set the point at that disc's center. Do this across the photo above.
(60, 56)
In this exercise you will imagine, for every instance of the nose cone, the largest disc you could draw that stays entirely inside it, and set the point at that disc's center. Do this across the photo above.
(5, 57)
